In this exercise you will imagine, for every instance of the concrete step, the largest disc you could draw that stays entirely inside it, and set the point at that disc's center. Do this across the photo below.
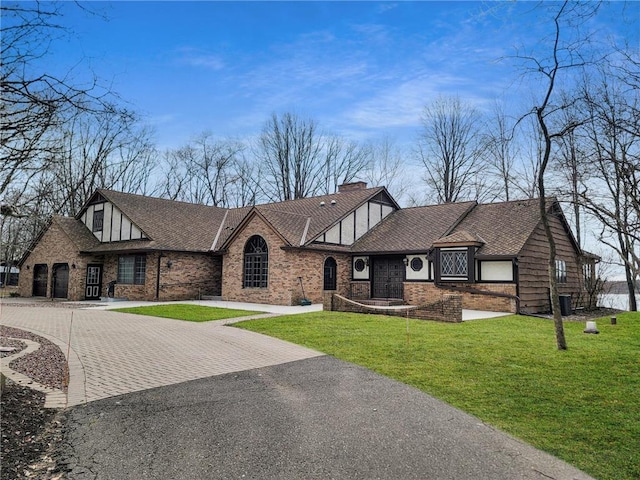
(383, 302)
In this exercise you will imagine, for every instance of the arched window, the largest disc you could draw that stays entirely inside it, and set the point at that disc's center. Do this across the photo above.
(330, 271)
(256, 263)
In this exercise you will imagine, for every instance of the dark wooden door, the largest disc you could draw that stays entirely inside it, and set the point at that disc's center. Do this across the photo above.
(388, 277)
(93, 289)
(61, 280)
(40, 278)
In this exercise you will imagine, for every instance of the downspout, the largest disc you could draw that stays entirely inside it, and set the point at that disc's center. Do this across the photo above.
(161, 254)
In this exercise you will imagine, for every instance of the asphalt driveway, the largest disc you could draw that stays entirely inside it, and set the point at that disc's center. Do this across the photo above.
(319, 418)
(167, 399)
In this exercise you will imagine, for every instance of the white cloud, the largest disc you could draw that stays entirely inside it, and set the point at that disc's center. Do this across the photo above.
(198, 58)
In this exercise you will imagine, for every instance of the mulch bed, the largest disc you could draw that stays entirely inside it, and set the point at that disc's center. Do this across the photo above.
(31, 434)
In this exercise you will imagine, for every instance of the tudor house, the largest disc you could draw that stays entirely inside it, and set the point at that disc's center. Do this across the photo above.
(357, 242)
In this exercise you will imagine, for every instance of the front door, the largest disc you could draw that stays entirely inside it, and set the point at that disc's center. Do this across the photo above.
(94, 282)
(40, 277)
(60, 280)
(388, 277)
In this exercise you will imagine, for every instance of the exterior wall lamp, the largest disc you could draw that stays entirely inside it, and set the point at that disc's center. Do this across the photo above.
(405, 260)
(169, 263)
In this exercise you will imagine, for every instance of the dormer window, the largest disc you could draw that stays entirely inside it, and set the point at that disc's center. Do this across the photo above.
(455, 257)
(98, 220)
(454, 263)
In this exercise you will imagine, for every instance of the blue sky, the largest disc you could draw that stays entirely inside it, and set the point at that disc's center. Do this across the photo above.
(364, 70)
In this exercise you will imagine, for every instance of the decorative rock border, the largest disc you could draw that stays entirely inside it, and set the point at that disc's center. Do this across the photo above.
(55, 398)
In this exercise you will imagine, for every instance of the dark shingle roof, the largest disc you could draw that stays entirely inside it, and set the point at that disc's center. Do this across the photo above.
(304, 219)
(77, 232)
(170, 225)
(412, 229)
(504, 227)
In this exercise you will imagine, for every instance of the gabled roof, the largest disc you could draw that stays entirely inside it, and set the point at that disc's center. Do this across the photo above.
(413, 229)
(505, 227)
(301, 221)
(168, 224)
(78, 234)
(460, 237)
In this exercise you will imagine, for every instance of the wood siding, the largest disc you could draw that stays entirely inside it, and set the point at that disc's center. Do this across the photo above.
(533, 268)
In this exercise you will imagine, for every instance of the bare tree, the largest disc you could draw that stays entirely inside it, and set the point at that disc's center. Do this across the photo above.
(33, 102)
(501, 151)
(208, 171)
(449, 148)
(290, 150)
(388, 168)
(525, 178)
(212, 169)
(572, 166)
(246, 188)
(344, 161)
(565, 54)
(615, 155)
(104, 149)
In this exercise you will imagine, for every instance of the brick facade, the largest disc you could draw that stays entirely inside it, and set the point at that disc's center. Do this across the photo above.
(190, 276)
(55, 247)
(421, 293)
(286, 265)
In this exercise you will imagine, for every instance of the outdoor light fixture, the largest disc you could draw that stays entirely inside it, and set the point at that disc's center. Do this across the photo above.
(169, 263)
(366, 261)
(405, 260)
(73, 265)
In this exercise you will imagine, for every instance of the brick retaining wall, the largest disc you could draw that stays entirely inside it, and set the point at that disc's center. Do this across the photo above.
(447, 309)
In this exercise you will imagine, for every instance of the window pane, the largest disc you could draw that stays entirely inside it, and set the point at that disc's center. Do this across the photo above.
(330, 269)
(98, 220)
(132, 269)
(454, 264)
(447, 263)
(140, 269)
(125, 269)
(461, 263)
(256, 263)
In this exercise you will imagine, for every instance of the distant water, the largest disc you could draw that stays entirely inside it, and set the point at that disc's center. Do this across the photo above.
(616, 300)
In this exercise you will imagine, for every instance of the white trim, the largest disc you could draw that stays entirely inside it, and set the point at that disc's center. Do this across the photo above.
(215, 240)
(304, 234)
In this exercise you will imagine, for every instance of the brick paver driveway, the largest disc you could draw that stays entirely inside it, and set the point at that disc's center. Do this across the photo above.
(116, 353)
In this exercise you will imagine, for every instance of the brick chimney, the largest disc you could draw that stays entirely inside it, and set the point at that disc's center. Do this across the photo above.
(350, 187)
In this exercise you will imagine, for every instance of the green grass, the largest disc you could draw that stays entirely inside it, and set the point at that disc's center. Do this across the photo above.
(190, 313)
(582, 405)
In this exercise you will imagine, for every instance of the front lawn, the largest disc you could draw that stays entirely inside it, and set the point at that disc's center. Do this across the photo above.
(582, 405)
(190, 313)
